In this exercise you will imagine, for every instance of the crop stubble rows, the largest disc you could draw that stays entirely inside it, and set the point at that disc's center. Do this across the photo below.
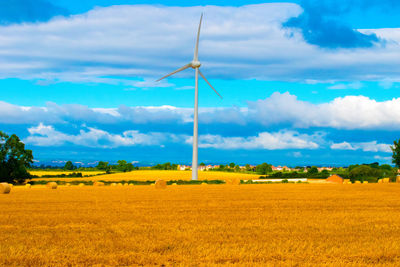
(202, 225)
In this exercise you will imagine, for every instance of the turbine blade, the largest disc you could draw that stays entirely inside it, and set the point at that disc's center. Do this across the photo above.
(201, 74)
(196, 50)
(178, 70)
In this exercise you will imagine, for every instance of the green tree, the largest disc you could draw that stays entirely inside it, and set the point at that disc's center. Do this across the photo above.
(237, 168)
(364, 171)
(396, 153)
(264, 168)
(14, 159)
(69, 166)
(232, 165)
(202, 164)
(248, 167)
(103, 166)
(122, 165)
(313, 170)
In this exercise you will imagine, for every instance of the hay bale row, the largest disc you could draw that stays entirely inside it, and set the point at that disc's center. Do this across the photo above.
(98, 184)
(5, 188)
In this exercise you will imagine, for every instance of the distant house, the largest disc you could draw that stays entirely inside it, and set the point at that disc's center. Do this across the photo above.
(183, 167)
(335, 179)
(279, 168)
(325, 168)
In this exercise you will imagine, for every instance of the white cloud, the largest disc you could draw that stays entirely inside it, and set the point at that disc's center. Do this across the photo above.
(48, 136)
(344, 86)
(107, 45)
(264, 140)
(342, 146)
(43, 135)
(372, 146)
(349, 112)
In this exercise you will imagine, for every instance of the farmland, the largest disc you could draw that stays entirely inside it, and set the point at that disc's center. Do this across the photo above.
(151, 175)
(44, 173)
(277, 224)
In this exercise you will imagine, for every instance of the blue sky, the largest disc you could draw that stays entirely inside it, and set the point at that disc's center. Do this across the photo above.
(304, 82)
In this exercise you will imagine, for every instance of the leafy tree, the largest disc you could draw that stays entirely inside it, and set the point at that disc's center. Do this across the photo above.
(103, 166)
(264, 168)
(364, 171)
(122, 166)
(248, 167)
(396, 153)
(232, 165)
(69, 166)
(237, 168)
(14, 159)
(313, 170)
(202, 164)
(324, 172)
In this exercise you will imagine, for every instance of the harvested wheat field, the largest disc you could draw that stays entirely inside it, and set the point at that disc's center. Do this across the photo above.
(277, 224)
(44, 173)
(153, 175)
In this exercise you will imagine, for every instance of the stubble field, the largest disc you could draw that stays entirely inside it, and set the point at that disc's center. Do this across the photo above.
(276, 224)
(146, 175)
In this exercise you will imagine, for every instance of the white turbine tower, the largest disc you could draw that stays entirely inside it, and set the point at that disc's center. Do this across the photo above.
(195, 64)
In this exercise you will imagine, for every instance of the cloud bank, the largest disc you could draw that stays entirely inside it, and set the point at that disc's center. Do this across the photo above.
(349, 113)
(111, 44)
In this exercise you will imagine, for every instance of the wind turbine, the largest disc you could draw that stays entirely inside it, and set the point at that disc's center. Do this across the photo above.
(195, 64)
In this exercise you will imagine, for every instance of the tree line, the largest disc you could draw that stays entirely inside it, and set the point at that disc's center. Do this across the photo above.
(15, 161)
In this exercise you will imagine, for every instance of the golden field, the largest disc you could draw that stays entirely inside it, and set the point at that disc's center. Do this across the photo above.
(152, 175)
(41, 173)
(247, 225)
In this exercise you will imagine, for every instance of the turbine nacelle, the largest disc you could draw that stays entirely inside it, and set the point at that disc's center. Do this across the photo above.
(195, 64)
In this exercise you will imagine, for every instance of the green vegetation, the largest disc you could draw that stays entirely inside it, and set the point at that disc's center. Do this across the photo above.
(14, 159)
(396, 153)
(165, 166)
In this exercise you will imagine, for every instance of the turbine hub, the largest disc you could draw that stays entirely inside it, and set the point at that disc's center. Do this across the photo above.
(196, 64)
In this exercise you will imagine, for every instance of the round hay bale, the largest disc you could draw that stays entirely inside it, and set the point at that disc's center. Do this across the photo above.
(174, 184)
(119, 184)
(365, 182)
(113, 184)
(5, 188)
(357, 182)
(152, 184)
(98, 184)
(386, 180)
(131, 184)
(380, 181)
(28, 186)
(67, 184)
(204, 183)
(81, 185)
(52, 185)
(126, 184)
(398, 179)
(161, 184)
